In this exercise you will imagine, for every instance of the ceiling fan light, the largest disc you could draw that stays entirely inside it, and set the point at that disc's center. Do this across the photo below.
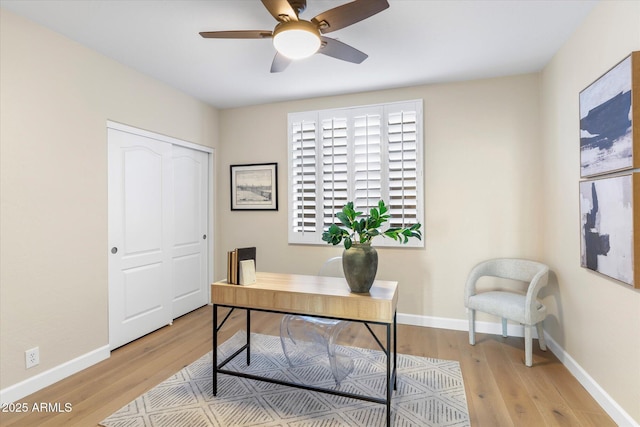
(296, 40)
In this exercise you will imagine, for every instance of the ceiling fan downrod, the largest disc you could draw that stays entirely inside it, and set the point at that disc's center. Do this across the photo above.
(298, 5)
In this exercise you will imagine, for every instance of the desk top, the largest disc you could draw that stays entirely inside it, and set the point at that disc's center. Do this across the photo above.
(310, 295)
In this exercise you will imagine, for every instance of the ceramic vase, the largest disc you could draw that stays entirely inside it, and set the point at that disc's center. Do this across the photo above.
(360, 265)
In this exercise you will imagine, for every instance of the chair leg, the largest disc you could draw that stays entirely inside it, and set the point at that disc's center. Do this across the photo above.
(541, 340)
(284, 334)
(472, 323)
(504, 327)
(528, 351)
(331, 337)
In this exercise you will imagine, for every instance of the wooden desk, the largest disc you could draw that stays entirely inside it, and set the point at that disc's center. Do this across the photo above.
(318, 296)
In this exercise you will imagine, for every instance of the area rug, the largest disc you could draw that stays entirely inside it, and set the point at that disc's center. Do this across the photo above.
(430, 392)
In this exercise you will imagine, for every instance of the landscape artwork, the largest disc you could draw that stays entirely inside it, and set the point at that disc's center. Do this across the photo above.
(254, 187)
(607, 226)
(606, 120)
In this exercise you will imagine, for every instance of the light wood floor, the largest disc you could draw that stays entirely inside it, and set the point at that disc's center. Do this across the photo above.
(501, 391)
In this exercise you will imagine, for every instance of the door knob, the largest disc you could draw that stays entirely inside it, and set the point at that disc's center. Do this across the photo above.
(204, 237)
(114, 250)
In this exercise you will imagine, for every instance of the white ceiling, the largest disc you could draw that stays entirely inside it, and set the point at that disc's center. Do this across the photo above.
(412, 42)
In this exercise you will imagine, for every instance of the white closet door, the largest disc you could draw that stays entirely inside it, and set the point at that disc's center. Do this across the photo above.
(140, 235)
(189, 252)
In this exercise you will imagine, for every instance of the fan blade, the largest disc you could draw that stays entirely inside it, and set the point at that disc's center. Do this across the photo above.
(280, 63)
(280, 9)
(248, 34)
(347, 14)
(339, 50)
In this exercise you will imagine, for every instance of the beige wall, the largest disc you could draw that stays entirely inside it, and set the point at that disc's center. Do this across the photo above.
(56, 99)
(598, 319)
(482, 186)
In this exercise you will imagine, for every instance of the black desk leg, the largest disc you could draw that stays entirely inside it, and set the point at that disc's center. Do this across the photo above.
(215, 349)
(395, 351)
(248, 337)
(389, 384)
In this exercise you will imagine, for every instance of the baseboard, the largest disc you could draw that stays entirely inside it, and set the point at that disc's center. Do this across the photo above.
(53, 375)
(461, 325)
(610, 406)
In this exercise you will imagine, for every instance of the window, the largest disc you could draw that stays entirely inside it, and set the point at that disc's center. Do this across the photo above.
(359, 154)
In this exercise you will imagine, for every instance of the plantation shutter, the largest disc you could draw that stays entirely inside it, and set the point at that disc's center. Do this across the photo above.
(402, 154)
(335, 178)
(302, 179)
(367, 158)
(359, 154)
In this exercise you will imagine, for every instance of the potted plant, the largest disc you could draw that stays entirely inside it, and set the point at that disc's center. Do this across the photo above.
(360, 259)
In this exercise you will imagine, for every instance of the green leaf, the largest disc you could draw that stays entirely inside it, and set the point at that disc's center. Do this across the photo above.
(344, 218)
(347, 211)
(347, 242)
(392, 232)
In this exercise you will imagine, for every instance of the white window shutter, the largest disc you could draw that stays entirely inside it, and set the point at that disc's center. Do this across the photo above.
(302, 178)
(335, 167)
(405, 177)
(359, 154)
(367, 158)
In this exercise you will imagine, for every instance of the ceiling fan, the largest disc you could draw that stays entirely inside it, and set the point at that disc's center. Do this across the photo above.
(296, 38)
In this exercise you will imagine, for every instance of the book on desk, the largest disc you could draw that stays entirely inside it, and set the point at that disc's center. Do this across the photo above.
(241, 266)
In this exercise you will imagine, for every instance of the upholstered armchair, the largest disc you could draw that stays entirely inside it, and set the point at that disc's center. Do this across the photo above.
(524, 308)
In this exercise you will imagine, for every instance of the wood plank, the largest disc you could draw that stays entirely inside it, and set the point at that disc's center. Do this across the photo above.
(591, 419)
(447, 344)
(484, 398)
(572, 392)
(550, 404)
(519, 403)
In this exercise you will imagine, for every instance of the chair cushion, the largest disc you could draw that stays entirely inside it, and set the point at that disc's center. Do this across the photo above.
(509, 305)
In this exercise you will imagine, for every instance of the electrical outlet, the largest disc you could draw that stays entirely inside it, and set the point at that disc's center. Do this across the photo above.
(32, 357)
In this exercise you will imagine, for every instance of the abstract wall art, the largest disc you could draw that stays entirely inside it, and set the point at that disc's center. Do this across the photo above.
(609, 229)
(609, 108)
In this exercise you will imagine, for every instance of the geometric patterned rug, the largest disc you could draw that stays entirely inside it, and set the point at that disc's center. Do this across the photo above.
(430, 392)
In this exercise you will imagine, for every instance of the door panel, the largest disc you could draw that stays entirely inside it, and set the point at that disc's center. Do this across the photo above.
(142, 187)
(140, 224)
(139, 287)
(190, 249)
(187, 270)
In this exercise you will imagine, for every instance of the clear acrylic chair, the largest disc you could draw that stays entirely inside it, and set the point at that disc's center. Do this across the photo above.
(304, 338)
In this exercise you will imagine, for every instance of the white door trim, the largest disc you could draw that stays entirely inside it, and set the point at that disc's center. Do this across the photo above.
(159, 137)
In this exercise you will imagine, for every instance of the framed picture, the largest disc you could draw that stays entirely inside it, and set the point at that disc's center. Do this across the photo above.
(609, 108)
(254, 187)
(610, 233)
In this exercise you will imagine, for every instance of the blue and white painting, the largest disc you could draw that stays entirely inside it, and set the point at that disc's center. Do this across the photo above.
(606, 138)
(606, 209)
